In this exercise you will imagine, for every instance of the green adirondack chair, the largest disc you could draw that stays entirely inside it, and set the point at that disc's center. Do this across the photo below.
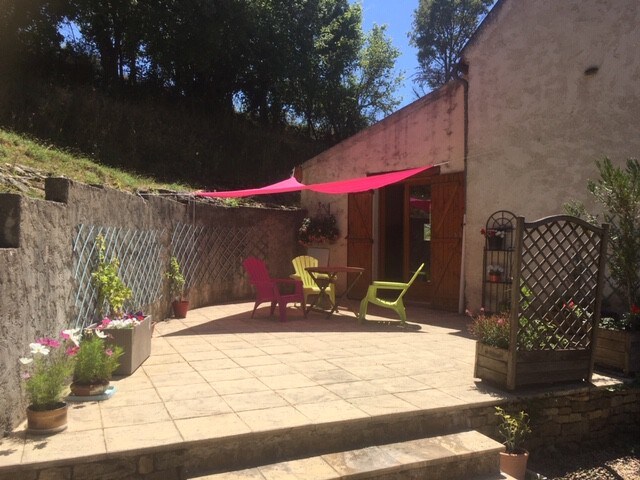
(396, 305)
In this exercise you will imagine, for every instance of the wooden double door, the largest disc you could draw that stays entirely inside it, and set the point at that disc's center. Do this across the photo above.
(419, 221)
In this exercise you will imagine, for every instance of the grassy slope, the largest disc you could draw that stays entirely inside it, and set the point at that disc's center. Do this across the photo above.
(17, 151)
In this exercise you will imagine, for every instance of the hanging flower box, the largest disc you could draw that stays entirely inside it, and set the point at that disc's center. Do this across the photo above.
(133, 335)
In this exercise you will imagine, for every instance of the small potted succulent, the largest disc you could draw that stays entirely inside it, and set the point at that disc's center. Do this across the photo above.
(177, 282)
(513, 428)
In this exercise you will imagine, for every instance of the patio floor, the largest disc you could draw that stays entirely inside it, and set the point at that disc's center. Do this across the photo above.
(219, 373)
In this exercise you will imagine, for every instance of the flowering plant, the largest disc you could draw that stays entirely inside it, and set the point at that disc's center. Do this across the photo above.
(319, 229)
(48, 370)
(629, 321)
(95, 361)
(128, 320)
(491, 330)
(493, 232)
(513, 428)
(495, 270)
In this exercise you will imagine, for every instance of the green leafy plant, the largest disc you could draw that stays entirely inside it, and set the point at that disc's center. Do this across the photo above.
(111, 289)
(95, 360)
(48, 370)
(321, 228)
(492, 330)
(513, 428)
(176, 279)
(618, 192)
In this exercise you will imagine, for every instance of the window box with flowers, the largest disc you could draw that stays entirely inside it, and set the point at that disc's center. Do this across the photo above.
(47, 374)
(319, 229)
(132, 333)
(494, 237)
(618, 342)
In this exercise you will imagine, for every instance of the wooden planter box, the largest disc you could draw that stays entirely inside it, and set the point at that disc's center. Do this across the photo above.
(618, 349)
(136, 343)
(543, 367)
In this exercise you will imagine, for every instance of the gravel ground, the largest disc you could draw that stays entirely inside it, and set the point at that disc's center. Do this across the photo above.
(619, 460)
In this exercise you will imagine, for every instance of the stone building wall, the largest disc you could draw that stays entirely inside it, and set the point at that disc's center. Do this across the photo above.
(37, 286)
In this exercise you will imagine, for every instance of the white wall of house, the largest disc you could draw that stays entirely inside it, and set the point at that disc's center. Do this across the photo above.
(428, 131)
(538, 118)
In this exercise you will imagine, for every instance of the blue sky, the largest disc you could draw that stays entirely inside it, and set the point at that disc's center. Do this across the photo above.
(397, 15)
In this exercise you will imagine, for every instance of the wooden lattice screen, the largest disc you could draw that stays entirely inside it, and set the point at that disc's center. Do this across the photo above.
(558, 275)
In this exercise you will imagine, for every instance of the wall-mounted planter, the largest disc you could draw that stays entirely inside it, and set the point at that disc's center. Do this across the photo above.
(136, 344)
(618, 349)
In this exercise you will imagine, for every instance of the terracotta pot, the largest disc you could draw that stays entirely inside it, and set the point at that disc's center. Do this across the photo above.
(89, 390)
(180, 308)
(495, 277)
(46, 422)
(514, 464)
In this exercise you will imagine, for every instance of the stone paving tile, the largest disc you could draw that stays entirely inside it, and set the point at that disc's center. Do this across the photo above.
(213, 376)
(134, 437)
(313, 366)
(371, 372)
(432, 398)
(196, 390)
(241, 402)
(382, 404)
(254, 361)
(327, 377)
(211, 354)
(163, 358)
(273, 418)
(213, 364)
(315, 468)
(360, 461)
(243, 352)
(133, 414)
(125, 397)
(248, 474)
(271, 370)
(87, 443)
(11, 447)
(83, 416)
(167, 368)
(331, 411)
(294, 380)
(315, 394)
(213, 426)
(361, 388)
(244, 385)
(398, 384)
(166, 380)
(197, 407)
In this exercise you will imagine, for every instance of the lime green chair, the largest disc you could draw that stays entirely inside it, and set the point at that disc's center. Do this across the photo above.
(397, 305)
(309, 286)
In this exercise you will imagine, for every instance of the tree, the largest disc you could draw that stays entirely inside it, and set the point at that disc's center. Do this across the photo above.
(441, 28)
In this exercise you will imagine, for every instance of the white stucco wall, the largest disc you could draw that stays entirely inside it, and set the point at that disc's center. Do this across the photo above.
(428, 131)
(537, 122)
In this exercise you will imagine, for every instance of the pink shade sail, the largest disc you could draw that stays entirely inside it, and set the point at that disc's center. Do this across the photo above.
(362, 184)
(288, 185)
(352, 185)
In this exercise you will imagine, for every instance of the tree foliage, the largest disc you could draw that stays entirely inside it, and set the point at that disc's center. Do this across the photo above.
(441, 28)
(282, 62)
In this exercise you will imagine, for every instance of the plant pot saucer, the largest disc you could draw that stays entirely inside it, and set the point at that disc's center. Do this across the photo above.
(108, 393)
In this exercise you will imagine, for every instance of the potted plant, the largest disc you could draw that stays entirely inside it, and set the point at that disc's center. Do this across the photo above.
(494, 237)
(47, 373)
(95, 362)
(176, 288)
(618, 342)
(513, 428)
(129, 331)
(132, 333)
(495, 273)
(321, 228)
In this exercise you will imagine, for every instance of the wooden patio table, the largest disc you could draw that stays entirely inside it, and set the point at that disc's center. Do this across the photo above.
(325, 276)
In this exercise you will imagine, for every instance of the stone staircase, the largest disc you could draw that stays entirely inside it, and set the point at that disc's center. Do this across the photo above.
(466, 455)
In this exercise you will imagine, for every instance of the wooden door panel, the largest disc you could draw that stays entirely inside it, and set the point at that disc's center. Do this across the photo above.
(360, 240)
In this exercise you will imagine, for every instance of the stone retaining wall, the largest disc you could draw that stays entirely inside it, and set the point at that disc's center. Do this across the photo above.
(37, 288)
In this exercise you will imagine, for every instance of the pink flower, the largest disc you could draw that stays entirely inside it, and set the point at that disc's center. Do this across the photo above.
(25, 375)
(48, 342)
(635, 309)
(71, 351)
(108, 352)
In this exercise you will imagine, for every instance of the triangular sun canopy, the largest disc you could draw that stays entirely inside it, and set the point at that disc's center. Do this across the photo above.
(352, 185)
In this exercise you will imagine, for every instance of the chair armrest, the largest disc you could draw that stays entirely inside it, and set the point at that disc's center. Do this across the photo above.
(289, 281)
(295, 276)
(390, 285)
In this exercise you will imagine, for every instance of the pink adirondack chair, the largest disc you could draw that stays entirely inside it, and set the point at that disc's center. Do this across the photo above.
(269, 289)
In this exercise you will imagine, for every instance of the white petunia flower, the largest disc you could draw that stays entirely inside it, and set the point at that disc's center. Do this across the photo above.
(26, 361)
(37, 348)
(100, 334)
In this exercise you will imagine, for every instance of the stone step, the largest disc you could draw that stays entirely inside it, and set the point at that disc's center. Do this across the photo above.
(466, 455)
